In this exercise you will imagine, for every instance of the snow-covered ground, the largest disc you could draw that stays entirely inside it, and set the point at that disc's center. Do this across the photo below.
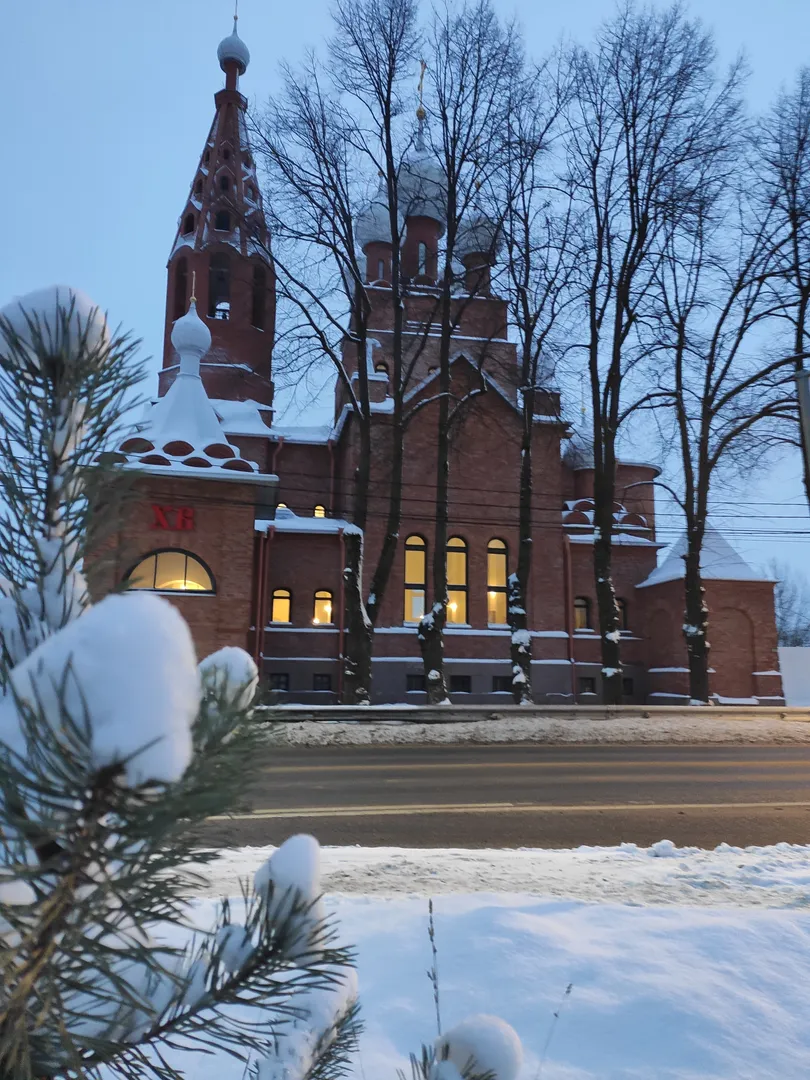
(776, 876)
(667, 728)
(692, 964)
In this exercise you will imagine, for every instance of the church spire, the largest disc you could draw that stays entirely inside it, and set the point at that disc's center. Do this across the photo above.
(222, 238)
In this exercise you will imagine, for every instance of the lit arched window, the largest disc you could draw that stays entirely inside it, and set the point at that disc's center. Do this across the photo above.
(456, 580)
(281, 506)
(496, 582)
(423, 258)
(281, 608)
(180, 288)
(219, 286)
(582, 613)
(322, 613)
(381, 369)
(319, 511)
(621, 606)
(188, 224)
(259, 292)
(222, 222)
(171, 571)
(415, 575)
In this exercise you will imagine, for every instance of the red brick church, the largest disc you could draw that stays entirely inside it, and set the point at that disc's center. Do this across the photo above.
(242, 521)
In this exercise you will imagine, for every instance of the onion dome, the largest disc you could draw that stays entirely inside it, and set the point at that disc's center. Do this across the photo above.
(373, 225)
(422, 184)
(38, 318)
(191, 338)
(479, 235)
(232, 50)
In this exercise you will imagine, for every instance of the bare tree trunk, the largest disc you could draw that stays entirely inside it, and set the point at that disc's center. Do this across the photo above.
(696, 623)
(518, 584)
(609, 633)
(358, 633)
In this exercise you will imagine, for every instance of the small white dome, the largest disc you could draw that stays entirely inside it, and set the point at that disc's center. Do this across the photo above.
(191, 337)
(233, 49)
(373, 225)
(478, 236)
(422, 184)
(44, 309)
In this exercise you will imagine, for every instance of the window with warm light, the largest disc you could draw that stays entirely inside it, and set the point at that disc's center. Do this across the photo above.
(496, 582)
(456, 580)
(319, 512)
(322, 613)
(415, 577)
(582, 613)
(281, 607)
(171, 571)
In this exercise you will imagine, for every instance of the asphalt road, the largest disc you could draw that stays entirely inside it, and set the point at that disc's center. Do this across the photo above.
(526, 796)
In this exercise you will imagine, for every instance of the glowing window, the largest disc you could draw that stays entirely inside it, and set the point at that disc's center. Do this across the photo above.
(281, 609)
(322, 613)
(415, 575)
(456, 580)
(319, 512)
(381, 368)
(582, 613)
(496, 582)
(171, 571)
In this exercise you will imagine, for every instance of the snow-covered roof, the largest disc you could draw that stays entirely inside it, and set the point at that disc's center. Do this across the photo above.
(286, 521)
(242, 417)
(719, 562)
(181, 431)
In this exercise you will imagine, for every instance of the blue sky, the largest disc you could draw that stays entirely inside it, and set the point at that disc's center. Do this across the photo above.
(105, 105)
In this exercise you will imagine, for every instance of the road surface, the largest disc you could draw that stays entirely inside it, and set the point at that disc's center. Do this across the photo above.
(526, 796)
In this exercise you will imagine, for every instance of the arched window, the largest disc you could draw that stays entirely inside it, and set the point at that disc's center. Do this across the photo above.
(380, 269)
(456, 580)
(171, 571)
(281, 506)
(188, 224)
(415, 576)
(252, 192)
(258, 296)
(423, 258)
(281, 607)
(198, 187)
(219, 286)
(322, 612)
(621, 606)
(319, 511)
(224, 182)
(582, 613)
(247, 161)
(222, 222)
(381, 368)
(180, 288)
(207, 156)
(496, 582)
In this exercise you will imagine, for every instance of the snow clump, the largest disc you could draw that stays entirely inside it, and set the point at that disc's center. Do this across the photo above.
(482, 1045)
(291, 878)
(40, 314)
(231, 673)
(126, 671)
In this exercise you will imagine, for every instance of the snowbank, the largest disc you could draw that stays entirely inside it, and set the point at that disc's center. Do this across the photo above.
(773, 876)
(674, 727)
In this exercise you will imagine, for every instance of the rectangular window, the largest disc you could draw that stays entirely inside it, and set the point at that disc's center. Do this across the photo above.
(460, 684)
(414, 604)
(496, 607)
(628, 687)
(457, 606)
(501, 684)
(587, 684)
(280, 680)
(282, 603)
(457, 567)
(322, 682)
(322, 613)
(414, 684)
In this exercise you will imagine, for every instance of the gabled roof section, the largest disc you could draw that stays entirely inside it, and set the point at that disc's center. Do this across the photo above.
(719, 562)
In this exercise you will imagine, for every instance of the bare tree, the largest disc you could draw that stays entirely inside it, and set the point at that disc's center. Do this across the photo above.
(784, 143)
(792, 596)
(645, 113)
(730, 389)
(333, 130)
(472, 61)
(540, 258)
